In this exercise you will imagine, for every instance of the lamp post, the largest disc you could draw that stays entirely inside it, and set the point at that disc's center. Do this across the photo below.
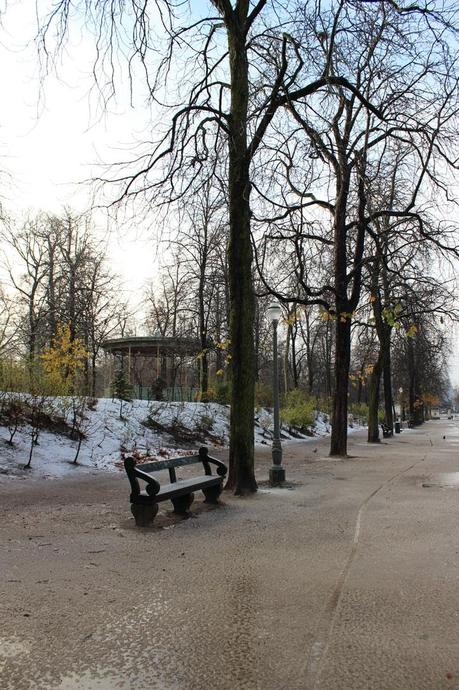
(277, 472)
(402, 407)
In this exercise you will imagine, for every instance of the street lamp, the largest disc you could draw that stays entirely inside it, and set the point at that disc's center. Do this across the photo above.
(277, 472)
(402, 407)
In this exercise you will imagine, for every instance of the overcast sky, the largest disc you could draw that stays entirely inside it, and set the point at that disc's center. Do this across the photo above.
(53, 137)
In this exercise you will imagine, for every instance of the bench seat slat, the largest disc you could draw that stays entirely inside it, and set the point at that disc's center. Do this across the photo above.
(180, 488)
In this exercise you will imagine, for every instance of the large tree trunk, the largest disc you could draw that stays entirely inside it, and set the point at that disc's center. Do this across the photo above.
(338, 445)
(286, 357)
(295, 376)
(387, 378)
(204, 361)
(241, 476)
(373, 400)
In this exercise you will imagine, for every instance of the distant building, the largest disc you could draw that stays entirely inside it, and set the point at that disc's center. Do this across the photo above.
(158, 367)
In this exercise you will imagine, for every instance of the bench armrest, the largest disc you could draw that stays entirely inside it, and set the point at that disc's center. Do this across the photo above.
(206, 459)
(153, 486)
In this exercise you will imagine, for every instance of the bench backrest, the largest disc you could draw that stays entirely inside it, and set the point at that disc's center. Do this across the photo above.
(144, 470)
(171, 463)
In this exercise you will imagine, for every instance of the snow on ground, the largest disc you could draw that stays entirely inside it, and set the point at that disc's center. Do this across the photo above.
(107, 436)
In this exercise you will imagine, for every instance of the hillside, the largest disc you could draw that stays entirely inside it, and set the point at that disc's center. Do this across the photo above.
(158, 429)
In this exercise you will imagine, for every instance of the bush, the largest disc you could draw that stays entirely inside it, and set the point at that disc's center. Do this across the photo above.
(297, 409)
(221, 393)
(205, 423)
(359, 410)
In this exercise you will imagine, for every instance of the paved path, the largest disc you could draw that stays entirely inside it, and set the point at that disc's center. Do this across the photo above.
(349, 580)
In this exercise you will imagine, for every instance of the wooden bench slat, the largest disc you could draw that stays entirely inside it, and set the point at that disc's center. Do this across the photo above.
(158, 465)
(181, 488)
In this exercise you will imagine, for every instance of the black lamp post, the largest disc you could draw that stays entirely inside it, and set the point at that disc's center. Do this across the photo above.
(277, 472)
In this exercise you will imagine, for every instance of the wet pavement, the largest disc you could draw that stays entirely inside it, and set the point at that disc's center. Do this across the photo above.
(346, 580)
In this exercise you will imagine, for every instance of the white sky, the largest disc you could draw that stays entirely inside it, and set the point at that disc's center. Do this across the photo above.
(53, 138)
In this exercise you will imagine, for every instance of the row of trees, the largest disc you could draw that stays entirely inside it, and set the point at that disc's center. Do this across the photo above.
(57, 275)
(410, 318)
(326, 134)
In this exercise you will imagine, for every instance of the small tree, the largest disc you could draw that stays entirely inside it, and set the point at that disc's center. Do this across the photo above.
(81, 422)
(121, 388)
(39, 407)
(63, 362)
(13, 382)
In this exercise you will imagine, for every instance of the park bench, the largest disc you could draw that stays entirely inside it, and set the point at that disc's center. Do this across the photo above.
(144, 503)
(387, 431)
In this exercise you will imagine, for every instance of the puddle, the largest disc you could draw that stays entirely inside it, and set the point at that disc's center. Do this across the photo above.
(445, 480)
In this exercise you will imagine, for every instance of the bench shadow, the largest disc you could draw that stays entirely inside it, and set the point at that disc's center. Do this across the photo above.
(167, 519)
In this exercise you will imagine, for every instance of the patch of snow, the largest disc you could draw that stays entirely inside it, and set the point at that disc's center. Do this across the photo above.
(107, 436)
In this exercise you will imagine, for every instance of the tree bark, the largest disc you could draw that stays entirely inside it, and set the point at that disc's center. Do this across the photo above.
(387, 378)
(338, 445)
(373, 399)
(241, 476)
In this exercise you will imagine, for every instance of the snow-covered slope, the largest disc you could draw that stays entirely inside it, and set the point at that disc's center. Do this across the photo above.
(173, 429)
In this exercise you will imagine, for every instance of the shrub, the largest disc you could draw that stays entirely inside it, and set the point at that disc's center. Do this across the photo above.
(205, 396)
(297, 409)
(220, 393)
(205, 422)
(359, 410)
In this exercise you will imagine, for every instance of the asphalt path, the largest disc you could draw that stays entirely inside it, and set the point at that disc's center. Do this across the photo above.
(346, 579)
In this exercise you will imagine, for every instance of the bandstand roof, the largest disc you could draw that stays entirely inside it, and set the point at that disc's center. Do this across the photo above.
(151, 345)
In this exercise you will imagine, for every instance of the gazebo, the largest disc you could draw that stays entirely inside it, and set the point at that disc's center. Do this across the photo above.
(158, 367)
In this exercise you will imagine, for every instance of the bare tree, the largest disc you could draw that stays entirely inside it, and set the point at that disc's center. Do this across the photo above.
(234, 89)
(346, 144)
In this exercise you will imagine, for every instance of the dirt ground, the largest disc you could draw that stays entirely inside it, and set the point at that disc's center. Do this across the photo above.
(347, 579)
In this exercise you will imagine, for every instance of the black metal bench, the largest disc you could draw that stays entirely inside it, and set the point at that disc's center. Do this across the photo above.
(387, 431)
(144, 504)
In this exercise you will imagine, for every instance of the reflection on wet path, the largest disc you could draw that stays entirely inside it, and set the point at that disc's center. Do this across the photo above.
(445, 480)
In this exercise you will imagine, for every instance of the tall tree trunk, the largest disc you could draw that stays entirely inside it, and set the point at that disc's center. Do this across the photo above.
(411, 380)
(294, 362)
(93, 376)
(204, 360)
(241, 476)
(373, 399)
(338, 445)
(387, 378)
(286, 356)
(204, 376)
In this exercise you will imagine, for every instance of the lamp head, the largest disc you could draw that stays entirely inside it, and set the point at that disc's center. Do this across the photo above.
(274, 311)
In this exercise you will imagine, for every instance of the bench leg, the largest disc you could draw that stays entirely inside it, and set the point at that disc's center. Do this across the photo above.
(212, 493)
(144, 513)
(182, 503)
